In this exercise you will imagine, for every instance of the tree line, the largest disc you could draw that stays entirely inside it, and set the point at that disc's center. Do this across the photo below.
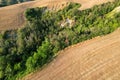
(10, 2)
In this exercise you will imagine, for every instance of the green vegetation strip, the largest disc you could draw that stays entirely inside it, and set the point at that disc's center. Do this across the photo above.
(10, 2)
(46, 32)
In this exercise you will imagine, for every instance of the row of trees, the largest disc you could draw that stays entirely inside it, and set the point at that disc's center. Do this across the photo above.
(28, 48)
(10, 2)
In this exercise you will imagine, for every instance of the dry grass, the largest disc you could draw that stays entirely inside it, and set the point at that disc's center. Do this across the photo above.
(12, 17)
(96, 59)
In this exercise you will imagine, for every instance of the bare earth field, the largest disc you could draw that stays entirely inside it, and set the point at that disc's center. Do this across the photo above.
(95, 59)
(12, 17)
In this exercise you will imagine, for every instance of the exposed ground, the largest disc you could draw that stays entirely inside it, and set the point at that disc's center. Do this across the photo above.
(95, 59)
(12, 17)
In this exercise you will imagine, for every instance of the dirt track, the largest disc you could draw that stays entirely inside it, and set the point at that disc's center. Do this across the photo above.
(12, 17)
(96, 59)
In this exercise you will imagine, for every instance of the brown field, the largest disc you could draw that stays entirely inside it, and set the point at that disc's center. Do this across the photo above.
(12, 17)
(95, 59)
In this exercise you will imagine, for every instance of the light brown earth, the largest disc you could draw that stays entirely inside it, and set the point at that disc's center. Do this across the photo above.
(12, 17)
(95, 59)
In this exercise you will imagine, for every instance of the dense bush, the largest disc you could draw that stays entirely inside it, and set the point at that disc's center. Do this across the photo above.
(28, 48)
